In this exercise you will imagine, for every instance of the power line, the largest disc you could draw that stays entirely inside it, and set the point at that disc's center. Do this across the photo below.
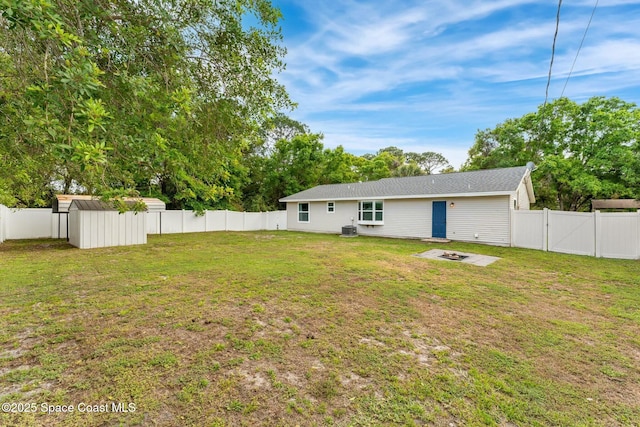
(553, 53)
(580, 47)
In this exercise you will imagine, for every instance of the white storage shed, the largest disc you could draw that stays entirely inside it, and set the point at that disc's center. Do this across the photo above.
(96, 224)
(62, 202)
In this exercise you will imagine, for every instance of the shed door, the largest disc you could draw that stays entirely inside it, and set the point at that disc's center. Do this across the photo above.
(439, 220)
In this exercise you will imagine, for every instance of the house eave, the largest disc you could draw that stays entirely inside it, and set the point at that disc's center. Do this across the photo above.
(400, 197)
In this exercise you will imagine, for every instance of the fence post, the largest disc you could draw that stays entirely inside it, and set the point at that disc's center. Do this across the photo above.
(597, 241)
(638, 239)
(512, 226)
(2, 215)
(226, 220)
(546, 230)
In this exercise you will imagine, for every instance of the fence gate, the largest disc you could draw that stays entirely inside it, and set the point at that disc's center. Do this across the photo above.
(572, 232)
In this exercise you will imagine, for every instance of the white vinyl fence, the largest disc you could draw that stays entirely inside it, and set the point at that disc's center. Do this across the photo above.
(31, 223)
(600, 234)
(42, 223)
(167, 222)
(607, 235)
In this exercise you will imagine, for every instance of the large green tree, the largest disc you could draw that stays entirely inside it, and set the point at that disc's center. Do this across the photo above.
(429, 161)
(113, 96)
(258, 193)
(393, 161)
(582, 151)
(297, 164)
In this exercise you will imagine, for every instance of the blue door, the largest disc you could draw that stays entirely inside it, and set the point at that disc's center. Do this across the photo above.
(439, 220)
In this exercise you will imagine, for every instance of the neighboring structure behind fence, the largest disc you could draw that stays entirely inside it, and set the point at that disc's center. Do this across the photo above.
(600, 234)
(42, 223)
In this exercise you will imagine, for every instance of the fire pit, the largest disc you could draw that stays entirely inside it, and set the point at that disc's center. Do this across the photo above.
(453, 256)
(462, 257)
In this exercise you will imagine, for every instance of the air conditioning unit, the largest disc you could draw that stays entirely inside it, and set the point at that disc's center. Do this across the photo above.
(349, 230)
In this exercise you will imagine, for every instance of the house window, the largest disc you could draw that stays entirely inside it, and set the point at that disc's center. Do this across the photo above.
(371, 212)
(331, 207)
(303, 212)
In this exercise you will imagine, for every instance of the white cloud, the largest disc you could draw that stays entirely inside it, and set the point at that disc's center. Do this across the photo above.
(371, 74)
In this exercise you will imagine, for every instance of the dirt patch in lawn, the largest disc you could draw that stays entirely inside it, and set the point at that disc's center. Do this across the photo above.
(19, 368)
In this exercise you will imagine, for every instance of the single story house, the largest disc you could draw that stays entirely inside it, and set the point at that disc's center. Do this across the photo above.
(466, 206)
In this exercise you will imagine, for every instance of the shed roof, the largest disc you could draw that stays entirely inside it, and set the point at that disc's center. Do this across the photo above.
(62, 202)
(94, 205)
(460, 184)
(90, 205)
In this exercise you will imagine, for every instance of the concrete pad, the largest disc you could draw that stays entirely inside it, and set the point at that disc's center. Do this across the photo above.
(435, 240)
(475, 259)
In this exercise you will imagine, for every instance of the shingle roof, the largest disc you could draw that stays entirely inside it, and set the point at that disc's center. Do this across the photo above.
(493, 181)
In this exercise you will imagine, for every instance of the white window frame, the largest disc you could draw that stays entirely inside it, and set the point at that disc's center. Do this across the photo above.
(331, 207)
(308, 211)
(377, 211)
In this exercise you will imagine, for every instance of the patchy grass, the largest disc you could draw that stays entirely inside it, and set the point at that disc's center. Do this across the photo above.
(302, 329)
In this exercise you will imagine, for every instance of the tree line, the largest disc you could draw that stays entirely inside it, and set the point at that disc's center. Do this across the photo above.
(178, 99)
(121, 97)
(292, 159)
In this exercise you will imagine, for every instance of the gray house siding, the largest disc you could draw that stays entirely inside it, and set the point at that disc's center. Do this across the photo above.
(320, 221)
(486, 217)
(402, 218)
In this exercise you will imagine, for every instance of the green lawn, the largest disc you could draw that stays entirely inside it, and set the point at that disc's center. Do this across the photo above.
(282, 328)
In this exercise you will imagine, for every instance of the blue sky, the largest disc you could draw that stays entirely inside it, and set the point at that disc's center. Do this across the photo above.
(425, 75)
